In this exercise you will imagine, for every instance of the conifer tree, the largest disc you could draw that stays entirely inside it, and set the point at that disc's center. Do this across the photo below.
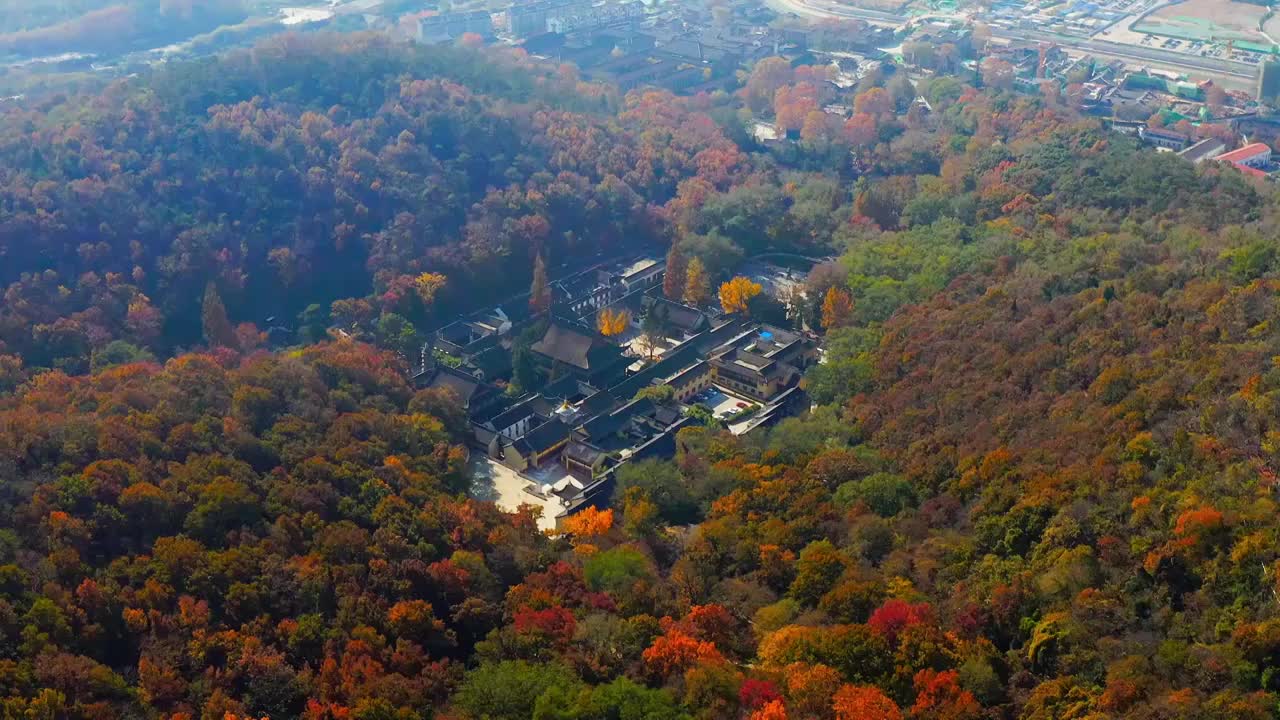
(213, 319)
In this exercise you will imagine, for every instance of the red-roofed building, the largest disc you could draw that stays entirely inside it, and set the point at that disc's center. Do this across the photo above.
(1257, 155)
(1252, 171)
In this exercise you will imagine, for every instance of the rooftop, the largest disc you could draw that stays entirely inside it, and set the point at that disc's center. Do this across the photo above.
(459, 383)
(583, 453)
(1206, 149)
(1248, 152)
(638, 267)
(512, 415)
(1161, 132)
(575, 347)
(680, 316)
(546, 435)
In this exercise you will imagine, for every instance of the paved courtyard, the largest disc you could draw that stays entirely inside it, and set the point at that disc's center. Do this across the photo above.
(493, 481)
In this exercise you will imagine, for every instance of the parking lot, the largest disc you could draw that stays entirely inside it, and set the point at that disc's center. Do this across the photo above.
(723, 404)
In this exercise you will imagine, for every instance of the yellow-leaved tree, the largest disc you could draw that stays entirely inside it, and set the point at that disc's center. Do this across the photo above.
(428, 284)
(611, 323)
(736, 294)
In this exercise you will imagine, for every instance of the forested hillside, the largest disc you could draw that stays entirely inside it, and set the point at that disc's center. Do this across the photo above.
(305, 172)
(1039, 483)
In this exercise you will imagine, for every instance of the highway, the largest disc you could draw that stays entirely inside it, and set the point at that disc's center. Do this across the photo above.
(1237, 74)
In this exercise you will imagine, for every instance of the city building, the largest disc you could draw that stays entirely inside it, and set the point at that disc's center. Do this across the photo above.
(443, 27)
(528, 19)
(595, 18)
(1269, 82)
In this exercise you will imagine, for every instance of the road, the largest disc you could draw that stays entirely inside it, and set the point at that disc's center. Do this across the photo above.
(1235, 74)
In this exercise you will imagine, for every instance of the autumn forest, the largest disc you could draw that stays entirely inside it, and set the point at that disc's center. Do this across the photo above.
(1039, 479)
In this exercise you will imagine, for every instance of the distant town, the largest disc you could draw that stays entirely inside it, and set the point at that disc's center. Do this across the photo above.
(1171, 73)
(1199, 77)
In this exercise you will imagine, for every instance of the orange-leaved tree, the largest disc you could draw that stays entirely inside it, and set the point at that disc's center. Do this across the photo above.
(864, 702)
(772, 710)
(677, 651)
(837, 309)
(589, 522)
(736, 294)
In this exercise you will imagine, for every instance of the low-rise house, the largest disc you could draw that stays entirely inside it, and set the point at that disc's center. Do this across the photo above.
(532, 448)
(583, 460)
(788, 403)
(545, 441)
(682, 318)
(1167, 139)
(692, 380)
(637, 275)
(751, 374)
(1256, 155)
(514, 422)
(1206, 149)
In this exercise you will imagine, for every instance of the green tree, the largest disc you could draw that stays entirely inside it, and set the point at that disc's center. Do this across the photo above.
(313, 323)
(653, 329)
(524, 369)
(820, 565)
(509, 690)
(662, 482)
(673, 278)
(886, 494)
(847, 368)
(622, 699)
(397, 333)
(118, 352)
(223, 505)
(616, 570)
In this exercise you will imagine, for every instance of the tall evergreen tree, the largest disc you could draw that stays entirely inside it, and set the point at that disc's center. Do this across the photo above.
(213, 319)
(540, 290)
(697, 288)
(524, 372)
(673, 280)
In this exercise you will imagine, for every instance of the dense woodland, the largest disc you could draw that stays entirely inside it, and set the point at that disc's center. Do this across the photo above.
(1040, 484)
